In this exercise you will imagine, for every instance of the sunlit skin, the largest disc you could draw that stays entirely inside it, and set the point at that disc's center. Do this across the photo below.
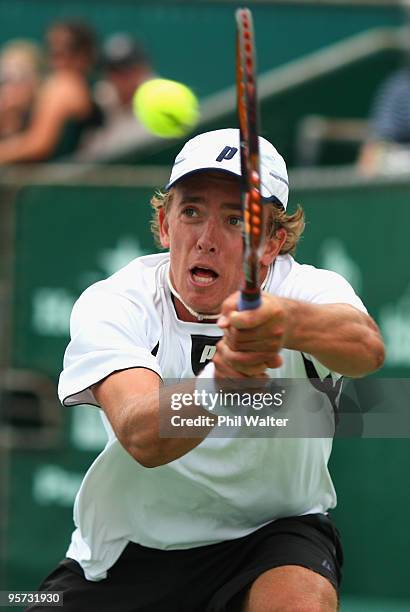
(203, 228)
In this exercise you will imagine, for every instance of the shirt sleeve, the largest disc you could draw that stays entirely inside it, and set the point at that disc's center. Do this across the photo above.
(323, 287)
(108, 333)
(338, 291)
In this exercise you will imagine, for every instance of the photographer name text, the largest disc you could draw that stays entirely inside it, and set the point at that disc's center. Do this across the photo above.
(228, 421)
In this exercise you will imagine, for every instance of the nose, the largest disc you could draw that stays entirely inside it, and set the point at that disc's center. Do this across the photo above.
(208, 239)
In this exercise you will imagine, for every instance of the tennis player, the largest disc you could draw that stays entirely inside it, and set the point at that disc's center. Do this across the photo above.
(194, 523)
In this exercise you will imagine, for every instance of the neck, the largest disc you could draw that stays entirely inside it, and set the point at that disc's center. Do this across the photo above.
(189, 315)
(185, 312)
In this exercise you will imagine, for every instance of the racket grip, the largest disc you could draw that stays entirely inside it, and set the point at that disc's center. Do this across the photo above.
(246, 304)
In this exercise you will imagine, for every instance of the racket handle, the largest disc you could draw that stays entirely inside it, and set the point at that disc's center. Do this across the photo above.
(246, 304)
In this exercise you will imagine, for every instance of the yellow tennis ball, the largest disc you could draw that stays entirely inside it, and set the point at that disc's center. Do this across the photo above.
(166, 108)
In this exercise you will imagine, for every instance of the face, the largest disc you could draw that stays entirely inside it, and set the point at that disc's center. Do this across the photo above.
(19, 79)
(61, 54)
(203, 230)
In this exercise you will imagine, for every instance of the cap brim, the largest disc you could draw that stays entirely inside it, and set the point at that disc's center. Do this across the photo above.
(197, 170)
(271, 198)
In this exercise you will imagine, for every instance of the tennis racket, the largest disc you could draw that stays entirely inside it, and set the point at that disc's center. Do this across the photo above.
(248, 115)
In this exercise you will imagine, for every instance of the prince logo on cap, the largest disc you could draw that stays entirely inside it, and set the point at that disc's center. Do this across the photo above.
(226, 153)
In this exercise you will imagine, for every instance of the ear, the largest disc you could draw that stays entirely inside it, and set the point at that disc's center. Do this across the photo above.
(273, 247)
(163, 228)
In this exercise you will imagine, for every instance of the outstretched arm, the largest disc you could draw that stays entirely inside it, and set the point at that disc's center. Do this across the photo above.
(135, 401)
(340, 336)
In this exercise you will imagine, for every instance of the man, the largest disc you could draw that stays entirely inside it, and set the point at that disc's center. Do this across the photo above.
(195, 523)
(387, 149)
(126, 66)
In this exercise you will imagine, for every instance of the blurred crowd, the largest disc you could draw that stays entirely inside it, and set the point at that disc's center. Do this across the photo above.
(387, 147)
(69, 98)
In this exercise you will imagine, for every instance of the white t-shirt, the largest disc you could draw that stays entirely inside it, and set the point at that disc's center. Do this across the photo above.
(224, 488)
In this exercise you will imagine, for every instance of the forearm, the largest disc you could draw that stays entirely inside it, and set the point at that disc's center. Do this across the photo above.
(146, 420)
(22, 148)
(341, 337)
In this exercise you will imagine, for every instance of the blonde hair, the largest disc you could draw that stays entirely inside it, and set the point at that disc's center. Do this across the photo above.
(293, 224)
(24, 55)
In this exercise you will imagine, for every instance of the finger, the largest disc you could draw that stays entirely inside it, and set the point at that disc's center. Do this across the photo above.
(250, 363)
(228, 306)
(263, 340)
(231, 355)
(250, 358)
(224, 371)
(230, 303)
(247, 335)
(275, 361)
(229, 380)
(261, 346)
(271, 310)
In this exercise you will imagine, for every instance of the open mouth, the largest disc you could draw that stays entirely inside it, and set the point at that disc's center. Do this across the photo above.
(203, 276)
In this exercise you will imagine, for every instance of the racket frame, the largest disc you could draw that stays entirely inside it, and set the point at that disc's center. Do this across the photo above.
(251, 200)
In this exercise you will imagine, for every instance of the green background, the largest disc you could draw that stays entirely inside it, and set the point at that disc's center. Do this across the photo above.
(184, 36)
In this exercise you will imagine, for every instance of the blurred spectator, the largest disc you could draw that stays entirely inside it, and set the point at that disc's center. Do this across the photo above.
(125, 67)
(20, 75)
(64, 108)
(388, 147)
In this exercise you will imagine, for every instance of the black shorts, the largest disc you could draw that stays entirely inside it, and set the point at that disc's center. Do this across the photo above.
(212, 578)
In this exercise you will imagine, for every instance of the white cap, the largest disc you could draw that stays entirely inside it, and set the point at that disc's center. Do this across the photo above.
(219, 150)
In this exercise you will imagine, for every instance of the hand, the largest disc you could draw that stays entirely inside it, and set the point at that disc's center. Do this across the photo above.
(252, 338)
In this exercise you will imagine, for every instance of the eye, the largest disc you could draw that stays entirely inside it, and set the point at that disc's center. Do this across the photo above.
(189, 211)
(235, 220)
